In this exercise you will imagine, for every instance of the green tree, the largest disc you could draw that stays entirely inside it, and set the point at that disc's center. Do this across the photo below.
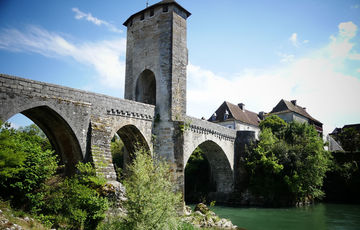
(350, 139)
(26, 163)
(12, 156)
(288, 168)
(275, 124)
(76, 202)
(151, 198)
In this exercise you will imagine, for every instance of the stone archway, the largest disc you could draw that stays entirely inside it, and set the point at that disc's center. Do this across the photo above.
(220, 171)
(59, 133)
(133, 140)
(145, 91)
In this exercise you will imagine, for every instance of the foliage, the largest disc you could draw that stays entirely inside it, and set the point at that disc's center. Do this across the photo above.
(27, 179)
(342, 182)
(275, 124)
(151, 198)
(287, 166)
(117, 152)
(350, 139)
(197, 187)
(26, 163)
(76, 202)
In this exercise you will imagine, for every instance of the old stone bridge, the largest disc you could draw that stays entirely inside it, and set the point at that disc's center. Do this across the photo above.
(81, 124)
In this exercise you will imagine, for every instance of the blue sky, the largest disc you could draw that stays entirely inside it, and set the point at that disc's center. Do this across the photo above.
(255, 52)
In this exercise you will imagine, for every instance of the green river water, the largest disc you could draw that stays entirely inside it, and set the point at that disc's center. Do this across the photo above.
(315, 217)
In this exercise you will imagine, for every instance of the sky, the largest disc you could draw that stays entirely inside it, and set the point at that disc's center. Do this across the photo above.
(253, 52)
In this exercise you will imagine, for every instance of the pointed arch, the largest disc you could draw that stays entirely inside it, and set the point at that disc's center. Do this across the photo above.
(133, 138)
(145, 91)
(59, 133)
(221, 172)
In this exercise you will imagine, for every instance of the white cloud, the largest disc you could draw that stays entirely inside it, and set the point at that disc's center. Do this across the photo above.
(103, 56)
(88, 17)
(294, 40)
(315, 81)
(347, 30)
(286, 58)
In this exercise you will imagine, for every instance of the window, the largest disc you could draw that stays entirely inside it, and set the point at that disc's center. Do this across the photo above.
(142, 16)
(165, 9)
(151, 12)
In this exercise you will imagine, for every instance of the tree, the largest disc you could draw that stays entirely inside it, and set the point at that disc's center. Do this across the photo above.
(275, 124)
(350, 139)
(287, 168)
(26, 163)
(151, 198)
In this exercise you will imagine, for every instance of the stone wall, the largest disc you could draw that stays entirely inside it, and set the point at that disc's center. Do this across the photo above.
(90, 119)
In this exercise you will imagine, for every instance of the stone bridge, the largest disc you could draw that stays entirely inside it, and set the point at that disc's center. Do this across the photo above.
(81, 124)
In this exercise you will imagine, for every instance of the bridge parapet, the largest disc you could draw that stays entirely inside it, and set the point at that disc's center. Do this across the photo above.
(208, 128)
(11, 86)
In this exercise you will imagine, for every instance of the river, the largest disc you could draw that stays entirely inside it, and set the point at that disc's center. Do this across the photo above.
(314, 217)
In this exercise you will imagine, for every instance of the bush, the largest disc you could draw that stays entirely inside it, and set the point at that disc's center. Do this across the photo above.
(75, 202)
(151, 198)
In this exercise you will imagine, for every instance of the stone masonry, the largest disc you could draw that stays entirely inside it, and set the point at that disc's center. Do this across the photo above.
(81, 124)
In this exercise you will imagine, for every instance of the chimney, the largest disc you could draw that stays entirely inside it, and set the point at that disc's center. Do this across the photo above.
(261, 115)
(293, 102)
(242, 106)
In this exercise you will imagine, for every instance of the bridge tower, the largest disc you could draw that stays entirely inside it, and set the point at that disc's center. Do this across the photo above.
(156, 58)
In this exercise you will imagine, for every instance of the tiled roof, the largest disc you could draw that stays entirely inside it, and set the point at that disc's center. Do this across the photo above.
(235, 112)
(287, 106)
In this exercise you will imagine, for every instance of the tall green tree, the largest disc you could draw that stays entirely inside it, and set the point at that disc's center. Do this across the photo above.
(288, 164)
(26, 163)
(151, 198)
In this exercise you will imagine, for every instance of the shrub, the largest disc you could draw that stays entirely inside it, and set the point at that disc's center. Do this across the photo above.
(151, 198)
(75, 202)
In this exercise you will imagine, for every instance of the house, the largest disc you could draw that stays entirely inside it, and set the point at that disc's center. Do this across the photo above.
(290, 111)
(237, 117)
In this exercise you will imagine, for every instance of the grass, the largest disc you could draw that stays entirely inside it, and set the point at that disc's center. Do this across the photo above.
(17, 217)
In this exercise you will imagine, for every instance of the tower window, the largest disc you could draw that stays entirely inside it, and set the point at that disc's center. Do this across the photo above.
(142, 16)
(165, 9)
(151, 12)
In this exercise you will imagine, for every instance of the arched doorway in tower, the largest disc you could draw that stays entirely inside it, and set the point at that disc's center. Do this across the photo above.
(208, 174)
(126, 141)
(145, 91)
(54, 129)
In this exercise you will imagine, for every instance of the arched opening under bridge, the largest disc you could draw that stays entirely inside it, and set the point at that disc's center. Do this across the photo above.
(60, 135)
(127, 140)
(208, 174)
